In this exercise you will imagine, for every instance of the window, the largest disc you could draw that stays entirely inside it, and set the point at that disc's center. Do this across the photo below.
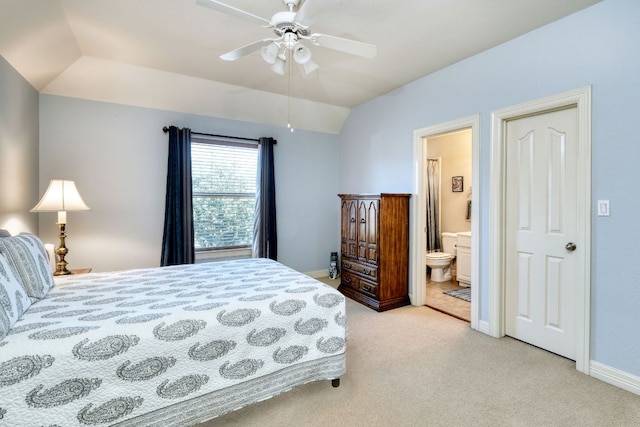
(224, 193)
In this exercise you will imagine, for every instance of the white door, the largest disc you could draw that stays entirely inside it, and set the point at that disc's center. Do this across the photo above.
(542, 240)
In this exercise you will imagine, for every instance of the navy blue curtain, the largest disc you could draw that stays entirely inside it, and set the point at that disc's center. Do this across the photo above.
(178, 240)
(265, 236)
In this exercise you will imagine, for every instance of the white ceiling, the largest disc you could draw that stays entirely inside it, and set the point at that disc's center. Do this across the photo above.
(151, 52)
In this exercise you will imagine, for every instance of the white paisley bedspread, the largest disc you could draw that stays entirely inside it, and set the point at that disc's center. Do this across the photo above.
(168, 346)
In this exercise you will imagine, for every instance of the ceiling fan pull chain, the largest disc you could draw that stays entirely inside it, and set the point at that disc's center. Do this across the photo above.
(290, 63)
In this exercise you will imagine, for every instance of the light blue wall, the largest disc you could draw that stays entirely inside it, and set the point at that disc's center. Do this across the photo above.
(117, 155)
(599, 46)
(18, 151)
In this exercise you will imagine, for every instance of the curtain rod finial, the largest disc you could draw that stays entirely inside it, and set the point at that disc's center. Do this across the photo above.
(165, 129)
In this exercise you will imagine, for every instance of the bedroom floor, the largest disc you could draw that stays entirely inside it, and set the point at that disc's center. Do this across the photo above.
(414, 366)
(331, 282)
(435, 298)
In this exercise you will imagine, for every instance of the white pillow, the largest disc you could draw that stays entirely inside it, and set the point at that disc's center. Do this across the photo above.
(13, 298)
(28, 259)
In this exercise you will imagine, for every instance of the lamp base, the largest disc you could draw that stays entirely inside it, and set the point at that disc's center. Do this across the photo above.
(62, 272)
(61, 252)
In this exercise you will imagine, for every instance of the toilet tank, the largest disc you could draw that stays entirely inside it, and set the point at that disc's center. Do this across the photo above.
(449, 242)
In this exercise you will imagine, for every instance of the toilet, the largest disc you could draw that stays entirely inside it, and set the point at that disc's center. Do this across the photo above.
(440, 262)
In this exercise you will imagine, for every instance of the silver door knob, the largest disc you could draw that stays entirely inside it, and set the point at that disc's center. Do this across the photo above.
(570, 246)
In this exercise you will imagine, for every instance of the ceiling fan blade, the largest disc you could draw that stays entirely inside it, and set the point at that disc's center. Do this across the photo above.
(344, 45)
(245, 50)
(302, 14)
(230, 10)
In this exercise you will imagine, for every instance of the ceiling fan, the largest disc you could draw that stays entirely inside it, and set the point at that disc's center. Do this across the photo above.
(290, 32)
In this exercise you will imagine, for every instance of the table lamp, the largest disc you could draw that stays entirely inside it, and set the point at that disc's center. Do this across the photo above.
(62, 196)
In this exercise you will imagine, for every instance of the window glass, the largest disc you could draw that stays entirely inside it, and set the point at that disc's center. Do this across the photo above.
(224, 194)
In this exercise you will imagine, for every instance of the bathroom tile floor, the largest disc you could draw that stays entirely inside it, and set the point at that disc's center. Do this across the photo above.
(449, 305)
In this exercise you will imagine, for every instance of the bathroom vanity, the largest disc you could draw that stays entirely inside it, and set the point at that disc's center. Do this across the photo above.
(464, 258)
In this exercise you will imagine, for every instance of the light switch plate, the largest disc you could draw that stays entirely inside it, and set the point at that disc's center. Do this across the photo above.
(603, 208)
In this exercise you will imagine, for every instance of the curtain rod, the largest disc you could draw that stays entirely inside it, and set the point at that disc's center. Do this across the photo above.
(166, 129)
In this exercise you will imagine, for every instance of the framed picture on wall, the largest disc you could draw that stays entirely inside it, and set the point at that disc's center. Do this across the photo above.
(457, 184)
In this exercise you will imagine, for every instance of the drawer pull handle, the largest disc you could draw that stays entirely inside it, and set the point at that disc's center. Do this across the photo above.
(362, 221)
(353, 220)
(366, 288)
(347, 265)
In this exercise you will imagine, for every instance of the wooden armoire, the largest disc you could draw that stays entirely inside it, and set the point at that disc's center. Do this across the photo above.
(375, 249)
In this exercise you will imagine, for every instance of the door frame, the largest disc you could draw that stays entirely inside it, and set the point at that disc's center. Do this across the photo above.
(417, 262)
(580, 99)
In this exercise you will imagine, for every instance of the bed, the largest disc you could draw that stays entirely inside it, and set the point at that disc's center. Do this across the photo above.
(165, 346)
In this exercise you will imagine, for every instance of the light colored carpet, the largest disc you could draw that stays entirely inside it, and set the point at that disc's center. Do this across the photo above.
(414, 366)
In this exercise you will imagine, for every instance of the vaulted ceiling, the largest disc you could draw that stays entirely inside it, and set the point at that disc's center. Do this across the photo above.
(165, 53)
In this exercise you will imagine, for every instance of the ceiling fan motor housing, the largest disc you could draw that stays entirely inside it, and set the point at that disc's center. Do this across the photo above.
(285, 22)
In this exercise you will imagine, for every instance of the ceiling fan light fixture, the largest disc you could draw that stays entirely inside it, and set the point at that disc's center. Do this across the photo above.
(278, 66)
(301, 54)
(270, 52)
(290, 40)
(309, 67)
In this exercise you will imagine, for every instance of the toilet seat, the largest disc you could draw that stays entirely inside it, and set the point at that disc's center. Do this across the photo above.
(438, 255)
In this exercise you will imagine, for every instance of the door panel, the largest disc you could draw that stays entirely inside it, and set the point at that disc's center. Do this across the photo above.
(349, 243)
(524, 286)
(372, 231)
(554, 290)
(368, 211)
(362, 230)
(541, 218)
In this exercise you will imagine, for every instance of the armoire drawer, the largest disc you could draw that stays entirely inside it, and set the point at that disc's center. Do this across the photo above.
(356, 267)
(369, 288)
(349, 280)
(359, 284)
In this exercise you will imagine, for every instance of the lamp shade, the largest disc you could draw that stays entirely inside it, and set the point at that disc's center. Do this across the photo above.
(309, 67)
(278, 66)
(61, 195)
(270, 53)
(301, 54)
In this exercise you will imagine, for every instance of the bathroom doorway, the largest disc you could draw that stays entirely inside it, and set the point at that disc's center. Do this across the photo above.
(448, 193)
(458, 212)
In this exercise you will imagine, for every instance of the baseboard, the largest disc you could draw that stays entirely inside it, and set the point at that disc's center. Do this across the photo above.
(483, 326)
(318, 273)
(615, 377)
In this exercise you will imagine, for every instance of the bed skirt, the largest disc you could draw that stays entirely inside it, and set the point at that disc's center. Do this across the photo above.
(220, 402)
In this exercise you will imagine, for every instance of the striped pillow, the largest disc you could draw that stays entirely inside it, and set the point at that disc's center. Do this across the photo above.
(5, 323)
(13, 298)
(28, 259)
